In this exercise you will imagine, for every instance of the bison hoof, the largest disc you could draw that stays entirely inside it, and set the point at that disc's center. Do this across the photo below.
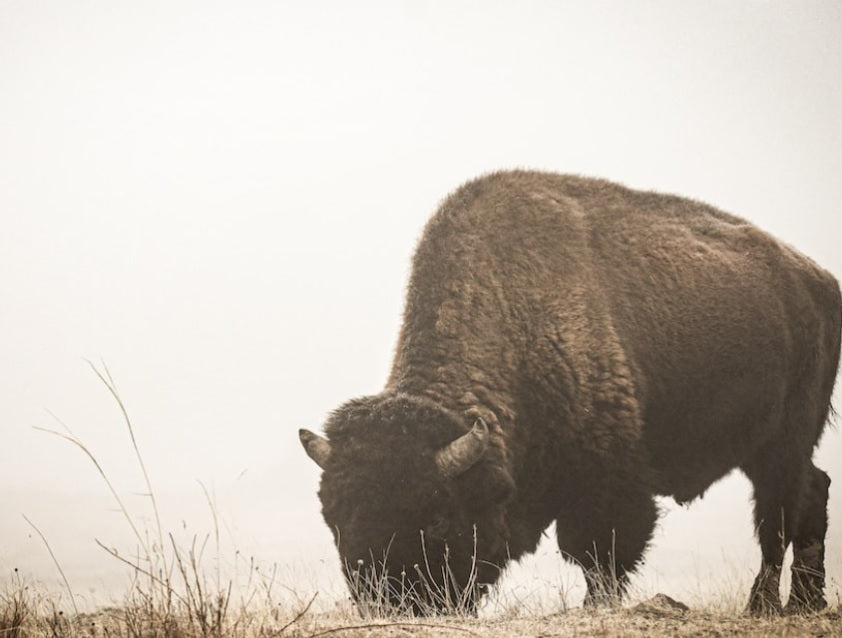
(765, 599)
(768, 605)
(805, 604)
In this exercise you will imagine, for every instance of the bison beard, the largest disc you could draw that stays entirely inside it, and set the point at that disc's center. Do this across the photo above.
(571, 348)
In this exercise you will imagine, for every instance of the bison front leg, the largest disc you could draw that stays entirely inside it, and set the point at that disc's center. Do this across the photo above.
(607, 538)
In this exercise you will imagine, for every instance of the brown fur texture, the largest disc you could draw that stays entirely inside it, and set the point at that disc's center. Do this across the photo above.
(619, 344)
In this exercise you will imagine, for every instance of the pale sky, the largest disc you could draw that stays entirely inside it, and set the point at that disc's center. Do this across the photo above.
(220, 200)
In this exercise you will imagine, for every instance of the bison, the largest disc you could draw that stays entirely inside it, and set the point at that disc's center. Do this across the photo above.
(571, 348)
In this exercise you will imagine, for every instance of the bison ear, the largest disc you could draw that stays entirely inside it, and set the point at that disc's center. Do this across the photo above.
(460, 455)
(317, 447)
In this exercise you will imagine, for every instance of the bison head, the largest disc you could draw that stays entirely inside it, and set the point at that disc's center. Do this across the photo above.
(416, 504)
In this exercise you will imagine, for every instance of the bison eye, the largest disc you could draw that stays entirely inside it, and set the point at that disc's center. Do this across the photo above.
(438, 528)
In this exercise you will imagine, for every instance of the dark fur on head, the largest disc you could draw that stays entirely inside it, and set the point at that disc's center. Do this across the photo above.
(403, 509)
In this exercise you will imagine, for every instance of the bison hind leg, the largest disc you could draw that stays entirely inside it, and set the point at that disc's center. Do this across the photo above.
(608, 543)
(808, 574)
(779, 481)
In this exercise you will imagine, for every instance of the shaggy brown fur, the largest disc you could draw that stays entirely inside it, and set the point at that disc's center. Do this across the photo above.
(619, 344)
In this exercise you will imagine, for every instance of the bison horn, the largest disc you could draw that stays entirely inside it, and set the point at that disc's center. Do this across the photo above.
(461, 454)
(317, 447)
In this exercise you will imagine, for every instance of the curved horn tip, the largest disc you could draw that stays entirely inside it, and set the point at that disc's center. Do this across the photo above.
(460, 455)
(316, 447)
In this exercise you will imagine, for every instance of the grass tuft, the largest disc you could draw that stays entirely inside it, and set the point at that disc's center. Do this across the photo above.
(420, 593)
(171, 593)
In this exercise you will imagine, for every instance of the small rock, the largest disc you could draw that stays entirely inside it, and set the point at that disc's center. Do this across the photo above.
(661, 604)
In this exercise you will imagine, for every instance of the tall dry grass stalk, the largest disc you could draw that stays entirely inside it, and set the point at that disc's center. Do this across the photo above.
(170, 593)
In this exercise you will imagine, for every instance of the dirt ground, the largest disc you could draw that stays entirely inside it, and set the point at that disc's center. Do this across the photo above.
(632, 622)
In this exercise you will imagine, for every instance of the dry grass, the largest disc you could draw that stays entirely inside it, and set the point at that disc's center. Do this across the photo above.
(381, 595)
(179, 591)
(23, 613)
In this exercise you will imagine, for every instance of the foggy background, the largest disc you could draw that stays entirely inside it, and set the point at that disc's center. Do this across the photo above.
(220, 201)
